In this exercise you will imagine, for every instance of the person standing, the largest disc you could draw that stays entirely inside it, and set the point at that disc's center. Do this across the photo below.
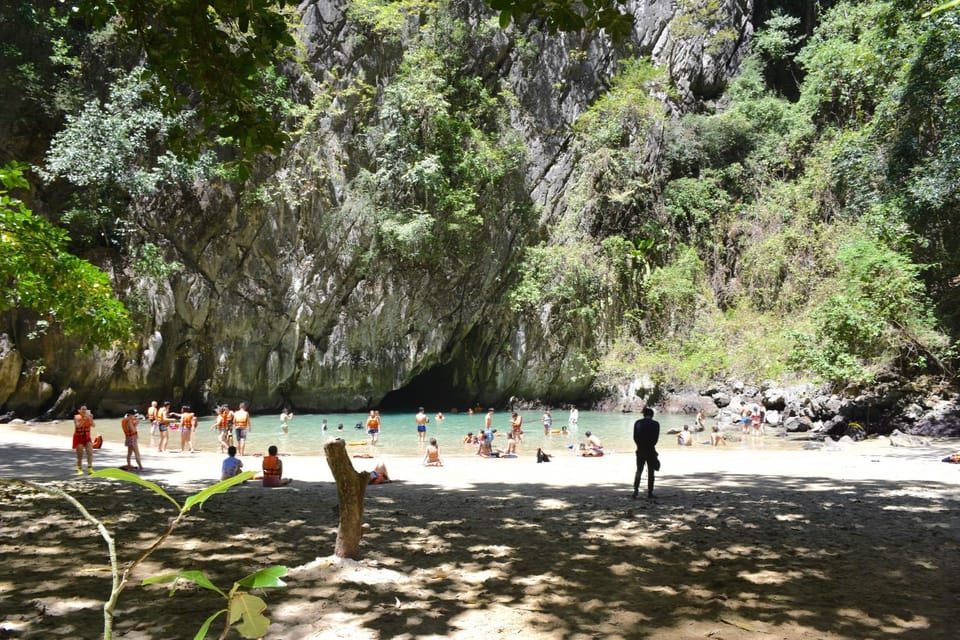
(547, 421)
(163, 426)
(152, 411)
(574, 420)
(241, 425)
(422, 420)
(82, 426)
(373, 427)
(188, 425)
(129, 426)
(285, 420)
(646, 433)
(516, 426)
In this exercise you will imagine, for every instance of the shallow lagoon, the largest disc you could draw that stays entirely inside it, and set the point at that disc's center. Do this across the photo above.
(398, 435)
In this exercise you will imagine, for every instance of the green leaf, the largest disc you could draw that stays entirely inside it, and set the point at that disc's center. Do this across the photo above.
(505, 17)
(269, 577)
(197, 577)
(202, 631)
(126, 476)
(250, 609)
(220, 487)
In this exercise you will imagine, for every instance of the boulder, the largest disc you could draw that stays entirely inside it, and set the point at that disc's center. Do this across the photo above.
(900, 439)
(775, 398)
(798, 424)
(721, 399)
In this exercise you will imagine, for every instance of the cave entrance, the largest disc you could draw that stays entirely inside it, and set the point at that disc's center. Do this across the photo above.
(435, 390)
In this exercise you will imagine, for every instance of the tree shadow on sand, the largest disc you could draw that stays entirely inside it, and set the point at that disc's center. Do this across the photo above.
(716, 555)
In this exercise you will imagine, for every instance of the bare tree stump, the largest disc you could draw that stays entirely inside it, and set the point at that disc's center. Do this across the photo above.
(351, 490)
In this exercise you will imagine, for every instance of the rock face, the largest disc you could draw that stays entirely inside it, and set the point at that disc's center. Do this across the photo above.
(288, 295)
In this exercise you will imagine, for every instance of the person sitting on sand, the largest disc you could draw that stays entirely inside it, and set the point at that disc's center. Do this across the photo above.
(953, 458)
(432, 457)
(273, 469)
(379, 474)
(232, 465)
(511, 451)
(685, 438)
(592, 448)
(717, 438)
(543, 457)
(486, 449)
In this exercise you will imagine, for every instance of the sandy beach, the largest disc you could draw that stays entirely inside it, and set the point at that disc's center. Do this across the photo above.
(858, 542)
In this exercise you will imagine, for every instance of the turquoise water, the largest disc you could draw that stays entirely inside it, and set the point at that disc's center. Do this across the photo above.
(398, 434)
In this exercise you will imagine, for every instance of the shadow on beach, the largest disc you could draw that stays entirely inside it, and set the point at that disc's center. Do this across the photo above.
(715, 555)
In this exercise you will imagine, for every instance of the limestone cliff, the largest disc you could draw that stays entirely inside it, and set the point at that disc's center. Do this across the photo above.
(307, 286)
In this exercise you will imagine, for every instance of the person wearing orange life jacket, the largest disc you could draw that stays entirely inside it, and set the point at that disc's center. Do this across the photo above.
(163, 426)
(82, 425)
(188, 425)
(152, 411)
(373, 426)
(273, 469)
(222, 425)
(129, 426)
(241, 425)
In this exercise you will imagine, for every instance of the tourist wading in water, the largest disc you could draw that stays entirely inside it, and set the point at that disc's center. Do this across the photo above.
(241, 426)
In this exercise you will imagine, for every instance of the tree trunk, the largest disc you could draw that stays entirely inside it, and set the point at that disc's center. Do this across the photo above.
(351, 489)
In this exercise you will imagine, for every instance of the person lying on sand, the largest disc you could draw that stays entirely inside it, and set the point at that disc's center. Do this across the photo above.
(379, 474)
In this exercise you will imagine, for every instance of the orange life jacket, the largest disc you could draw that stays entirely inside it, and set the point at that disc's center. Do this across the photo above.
(163, 416)
(129, 425)
(187, 419)
(241, 419)
(373, 423)
(82, 423)
(271, 467)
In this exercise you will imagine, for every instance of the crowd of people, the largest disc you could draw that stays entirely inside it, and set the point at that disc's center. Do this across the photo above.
(233, 427)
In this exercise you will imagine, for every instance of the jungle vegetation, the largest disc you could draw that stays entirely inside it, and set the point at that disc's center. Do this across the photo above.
(803, 224)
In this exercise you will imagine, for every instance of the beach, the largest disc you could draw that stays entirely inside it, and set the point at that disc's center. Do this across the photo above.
(859, 541)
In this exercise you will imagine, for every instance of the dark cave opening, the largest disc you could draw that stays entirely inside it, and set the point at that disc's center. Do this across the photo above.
(434, 390)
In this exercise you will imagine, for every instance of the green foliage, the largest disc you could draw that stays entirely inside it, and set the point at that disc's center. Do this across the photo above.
(244, 610)
(445, 161)
(211, 54)
(626, 110)
(776, 40)
(564, 15)
(242, 607)
(120, 143)
(386, 18)
(39, 274)
(675, 294)
(874, 314)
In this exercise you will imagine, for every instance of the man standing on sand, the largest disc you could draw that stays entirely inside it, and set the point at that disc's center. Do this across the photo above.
(241, 425)
(422, 420)
(646, 433)
(129, 426)
(82, 425)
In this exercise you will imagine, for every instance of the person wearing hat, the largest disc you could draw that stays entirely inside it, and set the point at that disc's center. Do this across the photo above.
(129, 426)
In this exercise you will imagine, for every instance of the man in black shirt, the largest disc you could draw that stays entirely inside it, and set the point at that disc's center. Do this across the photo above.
(646, 433)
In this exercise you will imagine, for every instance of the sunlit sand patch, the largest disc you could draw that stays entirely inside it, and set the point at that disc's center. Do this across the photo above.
(552, 504)
(664, 589)
(342, 625)
(54, 606)
(770, 577)
(346, 570)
